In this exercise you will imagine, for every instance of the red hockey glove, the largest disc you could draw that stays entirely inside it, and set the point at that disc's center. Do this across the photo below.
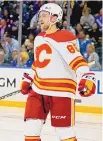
(25, 84)
(87, 86)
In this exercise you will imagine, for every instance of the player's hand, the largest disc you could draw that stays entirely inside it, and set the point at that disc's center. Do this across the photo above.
(87, 86)
(26, 84)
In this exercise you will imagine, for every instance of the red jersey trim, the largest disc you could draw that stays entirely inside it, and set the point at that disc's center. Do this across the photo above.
(60, 36)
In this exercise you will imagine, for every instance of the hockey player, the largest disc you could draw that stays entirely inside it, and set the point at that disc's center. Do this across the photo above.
(52, 85)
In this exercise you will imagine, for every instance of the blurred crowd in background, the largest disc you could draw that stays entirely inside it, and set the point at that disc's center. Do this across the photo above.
(85, 23)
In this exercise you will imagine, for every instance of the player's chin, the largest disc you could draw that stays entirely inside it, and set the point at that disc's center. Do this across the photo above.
(42, 28)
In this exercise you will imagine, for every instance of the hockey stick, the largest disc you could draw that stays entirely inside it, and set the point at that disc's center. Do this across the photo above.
(18, 91)
(10, 94)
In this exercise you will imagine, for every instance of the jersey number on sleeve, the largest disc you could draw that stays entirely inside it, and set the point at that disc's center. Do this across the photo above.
(72, 48)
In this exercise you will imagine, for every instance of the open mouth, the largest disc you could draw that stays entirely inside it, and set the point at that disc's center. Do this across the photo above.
(42, 23)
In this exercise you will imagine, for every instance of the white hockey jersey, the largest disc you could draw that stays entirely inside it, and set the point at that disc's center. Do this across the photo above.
(57, 63)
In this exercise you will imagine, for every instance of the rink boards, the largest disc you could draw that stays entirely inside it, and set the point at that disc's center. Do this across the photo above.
(10, 79)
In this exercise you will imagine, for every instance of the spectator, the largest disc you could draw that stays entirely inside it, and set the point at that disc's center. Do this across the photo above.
(14, 31)
(10, 11)
(94, 6)
(15, 23)
(78, 28)
(11, 44)
(30, 53)
(64, 25)
(2, 57)
(35, 6)
(93, 57)
(87, 18)
(30, 56)
(3, 28)
(29, 42)
(76, 7)
(7, 16)
(25, 7)
(24, 57)
(30, 46)
(1, 16)
(29, 62)
(65, 11)
(95, 34)
(16, 13)
(34, 21)
(3, 45)
(14, 57)
(83, 42)
(72, 30)
(98, 19)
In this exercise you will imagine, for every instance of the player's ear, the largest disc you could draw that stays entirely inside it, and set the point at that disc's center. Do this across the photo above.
(53, 18)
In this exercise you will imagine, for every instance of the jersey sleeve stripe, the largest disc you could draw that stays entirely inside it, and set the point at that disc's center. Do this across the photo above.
(75, 60)
(80, 64)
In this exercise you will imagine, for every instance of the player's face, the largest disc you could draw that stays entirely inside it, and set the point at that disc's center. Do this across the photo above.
(44, 20)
